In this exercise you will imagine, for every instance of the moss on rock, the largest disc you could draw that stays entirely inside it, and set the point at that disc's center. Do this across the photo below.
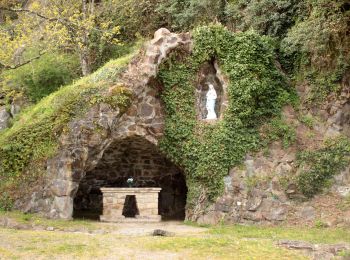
(34, 137)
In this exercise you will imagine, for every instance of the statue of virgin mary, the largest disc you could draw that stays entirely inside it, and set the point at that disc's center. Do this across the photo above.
(210, 105)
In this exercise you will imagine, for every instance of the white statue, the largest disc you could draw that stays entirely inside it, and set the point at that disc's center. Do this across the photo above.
(211, 99)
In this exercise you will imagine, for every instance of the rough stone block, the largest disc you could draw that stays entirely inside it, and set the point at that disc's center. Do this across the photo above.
(63, 187)
(155, 211)
(4, 118)
(117, 206)
(64, 205)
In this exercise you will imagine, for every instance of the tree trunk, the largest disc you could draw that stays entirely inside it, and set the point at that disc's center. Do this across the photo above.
(85, 62)
(84, 51)
(222, 12)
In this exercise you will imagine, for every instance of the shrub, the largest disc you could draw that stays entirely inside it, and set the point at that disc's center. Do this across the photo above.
(43, 76)
(270, 17)
(185, 15)
(318, 167)
(278, 129)
(323, 35)
(320, 224)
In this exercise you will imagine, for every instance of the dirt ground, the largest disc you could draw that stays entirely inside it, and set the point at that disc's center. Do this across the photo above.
(31, 237)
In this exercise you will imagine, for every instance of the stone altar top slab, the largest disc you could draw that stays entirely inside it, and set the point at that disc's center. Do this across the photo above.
(131, 190)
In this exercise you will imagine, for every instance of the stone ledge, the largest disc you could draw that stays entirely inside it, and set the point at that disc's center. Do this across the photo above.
(156, 218)
(131, 190)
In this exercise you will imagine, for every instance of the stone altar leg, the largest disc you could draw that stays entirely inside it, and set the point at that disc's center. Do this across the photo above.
(113, 205)
(148, 207)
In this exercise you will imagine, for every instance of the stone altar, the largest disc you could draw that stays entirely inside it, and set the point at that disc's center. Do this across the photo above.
(146, 201)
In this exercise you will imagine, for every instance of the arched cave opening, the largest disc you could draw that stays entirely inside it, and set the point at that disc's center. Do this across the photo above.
(138, 158)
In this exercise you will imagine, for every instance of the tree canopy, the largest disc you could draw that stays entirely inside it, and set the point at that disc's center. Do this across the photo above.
(41, 26)
(311, 36)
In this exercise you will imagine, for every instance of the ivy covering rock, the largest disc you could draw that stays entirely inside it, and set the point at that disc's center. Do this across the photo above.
(256, 92)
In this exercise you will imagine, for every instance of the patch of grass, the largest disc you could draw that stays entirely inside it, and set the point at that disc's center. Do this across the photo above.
(307, 120)
(344, 204)
(329, 235)
(345, 253)
(247, 242)
(57, 224)
(257, 181)
(310, 134)
(40, 244)
(320, 224)
(68, 247)
(195, 224)
(278, 129)
(222, 247)
(6, 253)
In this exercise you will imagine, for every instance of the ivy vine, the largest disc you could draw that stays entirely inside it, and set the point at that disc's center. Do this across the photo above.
(256, 92)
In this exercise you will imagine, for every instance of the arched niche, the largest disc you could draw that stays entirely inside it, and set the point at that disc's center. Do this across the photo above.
(209, 73)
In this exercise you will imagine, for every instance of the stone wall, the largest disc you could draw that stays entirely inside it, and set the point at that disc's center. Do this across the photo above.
(254, 194)
(4, 118)
(7, 112)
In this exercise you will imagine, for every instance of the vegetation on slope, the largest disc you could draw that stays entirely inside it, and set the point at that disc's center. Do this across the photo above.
(311, 36)
(40, 78)
(26, 146)
(318, 167)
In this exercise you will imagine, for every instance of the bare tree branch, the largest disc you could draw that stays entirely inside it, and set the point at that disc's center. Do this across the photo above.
(20, 10)
(12, 67)
(53, 19)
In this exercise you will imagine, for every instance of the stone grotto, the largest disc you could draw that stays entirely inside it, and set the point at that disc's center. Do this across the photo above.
(105, 147)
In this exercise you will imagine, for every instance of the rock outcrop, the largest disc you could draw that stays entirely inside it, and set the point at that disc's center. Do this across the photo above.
(6, 114)
(316, 251)
(4, 118)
